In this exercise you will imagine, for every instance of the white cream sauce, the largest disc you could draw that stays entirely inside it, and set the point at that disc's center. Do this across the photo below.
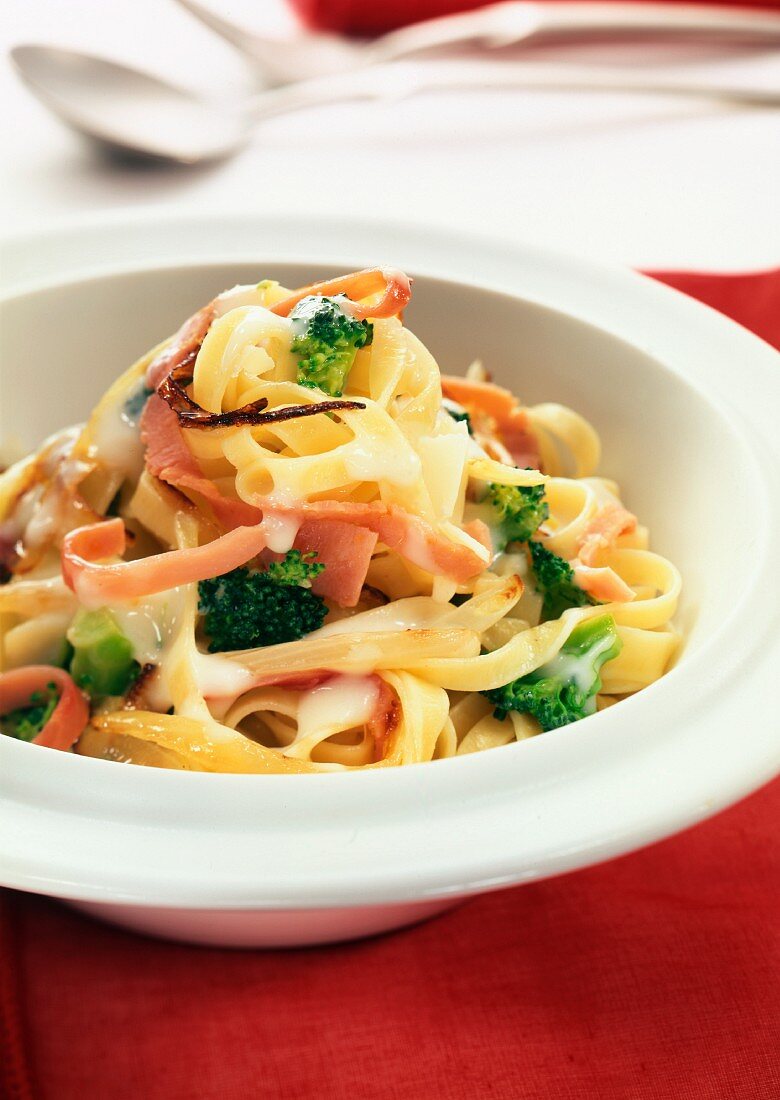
(344, 702)
(280, 530)
(116, 439)
(374, 462)
(149, 624)
(221, 678)
(577, 668)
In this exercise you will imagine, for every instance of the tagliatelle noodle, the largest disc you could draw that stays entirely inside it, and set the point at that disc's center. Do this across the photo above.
(396, 680)
(561, 430)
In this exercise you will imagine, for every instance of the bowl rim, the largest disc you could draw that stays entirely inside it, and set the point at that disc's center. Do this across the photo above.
(80, 828)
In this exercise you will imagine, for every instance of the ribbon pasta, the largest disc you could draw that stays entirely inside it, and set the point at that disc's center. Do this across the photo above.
(426, 608)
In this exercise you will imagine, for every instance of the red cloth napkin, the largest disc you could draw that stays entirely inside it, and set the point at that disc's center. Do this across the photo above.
(650, 977)
(358, 17)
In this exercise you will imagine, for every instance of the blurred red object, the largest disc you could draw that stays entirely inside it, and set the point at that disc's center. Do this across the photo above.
(361, 18)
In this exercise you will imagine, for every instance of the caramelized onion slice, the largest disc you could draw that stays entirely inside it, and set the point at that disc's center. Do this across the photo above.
(191, 415)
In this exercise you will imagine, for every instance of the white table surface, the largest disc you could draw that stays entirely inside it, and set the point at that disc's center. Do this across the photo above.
(626, 178)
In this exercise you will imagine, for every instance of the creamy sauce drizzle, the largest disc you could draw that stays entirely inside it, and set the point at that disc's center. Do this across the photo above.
(220, 677)
(116, 439)
(342, 703)
(149, 624)
(280, 530)
(379, 463)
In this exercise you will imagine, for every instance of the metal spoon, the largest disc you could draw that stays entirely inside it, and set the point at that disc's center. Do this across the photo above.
(128, 111)
(512, 22)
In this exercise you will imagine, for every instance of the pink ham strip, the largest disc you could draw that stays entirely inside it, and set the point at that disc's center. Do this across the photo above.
(344, 550)
(187, 340)
(394, 285)
(610, 522)
(396, 291)
(503, 407)
(602, 583)
(408, 535)
(68, 718)
(98, 584)
(169, 458)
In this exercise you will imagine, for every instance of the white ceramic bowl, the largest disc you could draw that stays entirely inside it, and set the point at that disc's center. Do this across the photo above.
(686, 403)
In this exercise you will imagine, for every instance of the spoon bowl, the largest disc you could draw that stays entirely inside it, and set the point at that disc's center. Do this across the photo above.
(131, 112)
(127, 110)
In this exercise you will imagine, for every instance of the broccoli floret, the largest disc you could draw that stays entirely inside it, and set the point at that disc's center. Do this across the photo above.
(555, 582)
(26, 723)
(521, 509)
(102, 662)
(246, 609)
(295, 568)
(564, 690)
(326, 340)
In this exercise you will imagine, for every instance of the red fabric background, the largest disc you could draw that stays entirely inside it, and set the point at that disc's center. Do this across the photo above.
(359, 17)
(653, 976)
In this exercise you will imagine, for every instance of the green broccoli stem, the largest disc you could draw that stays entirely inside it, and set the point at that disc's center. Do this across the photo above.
(594, 637)
(564, 689)
(102, 662)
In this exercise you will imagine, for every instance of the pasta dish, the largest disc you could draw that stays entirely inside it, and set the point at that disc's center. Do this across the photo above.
(284, 542)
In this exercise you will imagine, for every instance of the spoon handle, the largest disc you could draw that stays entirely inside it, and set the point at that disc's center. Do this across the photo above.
(510, 22)
(399, 80)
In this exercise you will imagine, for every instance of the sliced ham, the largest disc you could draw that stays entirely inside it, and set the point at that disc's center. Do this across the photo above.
(408, 535)
(395, 287)
(502, 407)
(344, 550)
(486, 397)
(342, 534)
(602, 583)
(169, 458)
(610, 522)
(98, 584)
(68, 718)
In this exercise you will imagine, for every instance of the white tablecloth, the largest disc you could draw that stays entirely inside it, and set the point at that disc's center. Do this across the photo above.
(637, 180)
